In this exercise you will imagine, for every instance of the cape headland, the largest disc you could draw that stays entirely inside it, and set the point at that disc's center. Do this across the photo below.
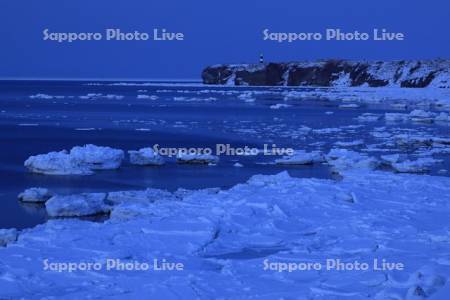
(334, 73)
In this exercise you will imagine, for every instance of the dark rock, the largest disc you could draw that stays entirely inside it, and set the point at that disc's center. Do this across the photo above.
(408, 74)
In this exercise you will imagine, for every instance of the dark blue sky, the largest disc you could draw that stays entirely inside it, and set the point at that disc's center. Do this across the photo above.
(216, 32)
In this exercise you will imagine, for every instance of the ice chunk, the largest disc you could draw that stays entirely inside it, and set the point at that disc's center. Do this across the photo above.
(280, 105)
(345, 197)
(97, 157)
(145, 196)
(425, 282)
(247, 96)
(7, 236)
(343, 159)
(407, 140)
(349, 144)
(421, 116)
(115, 97)
(349, 105)
(37, 195)
(420, 165)
(369, 117)
(301, 157)
(152, 97)
(128, 211)
(56, 163)
(395, 117)
(183, 158)
(441, 140)
(79, 161)
(86, 204)
(145, 156)
(442, 117)
(41, 96)
(393, 158)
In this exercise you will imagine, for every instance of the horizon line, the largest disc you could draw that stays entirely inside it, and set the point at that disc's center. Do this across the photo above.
(101, 79)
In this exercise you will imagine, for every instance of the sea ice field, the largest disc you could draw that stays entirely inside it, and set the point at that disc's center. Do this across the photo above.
(368, 184)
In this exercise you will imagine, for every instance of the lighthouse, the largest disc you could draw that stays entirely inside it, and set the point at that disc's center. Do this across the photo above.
(261, 58)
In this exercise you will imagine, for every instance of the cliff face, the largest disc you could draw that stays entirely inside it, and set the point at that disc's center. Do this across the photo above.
(414, 74)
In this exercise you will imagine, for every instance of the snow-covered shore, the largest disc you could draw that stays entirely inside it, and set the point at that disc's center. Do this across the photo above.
(224, 240)
(392, 96)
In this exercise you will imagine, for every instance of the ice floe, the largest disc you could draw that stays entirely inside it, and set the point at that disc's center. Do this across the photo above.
(420, 165)
(442, 117)
(343, 159)
(97, 157)
(369, 117)
(45, 96)
(247, 97)
(95, 96)
(422, 116)
(35, 195)
(279, 105)
(349, 105)
(150, 97)
(79, 161)
(86, 204)
(301, 157)
(145, 157)
(349, 144)
(232, 235)
(418, 116)
(184, 158)
(412, 140)
(56, 163)
(145, 196)
(402, 164)
(7, 236)
(398, 97)
(396, 117)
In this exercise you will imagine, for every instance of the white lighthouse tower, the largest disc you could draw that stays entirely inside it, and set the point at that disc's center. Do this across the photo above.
(261, 58)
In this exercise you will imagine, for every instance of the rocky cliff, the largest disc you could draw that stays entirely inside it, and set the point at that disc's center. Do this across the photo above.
(413, 74)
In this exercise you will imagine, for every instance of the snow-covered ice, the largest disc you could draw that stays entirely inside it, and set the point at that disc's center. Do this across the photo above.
(56, 163)
(396, 117)
(301, 157)
(279, 105)
(145, 156)
(144, 196)
(97, 157)
(7, 236)
(400, 97)
(86, 204)
(224, 237)
(150, 97)
(422, 116)
(420, 165)
(343, 159)
(35, 195)
(349, 144)
(349, 105)
(183, 158)
(231, 236)
(79, 161)
(369, 117)
(418, 116)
